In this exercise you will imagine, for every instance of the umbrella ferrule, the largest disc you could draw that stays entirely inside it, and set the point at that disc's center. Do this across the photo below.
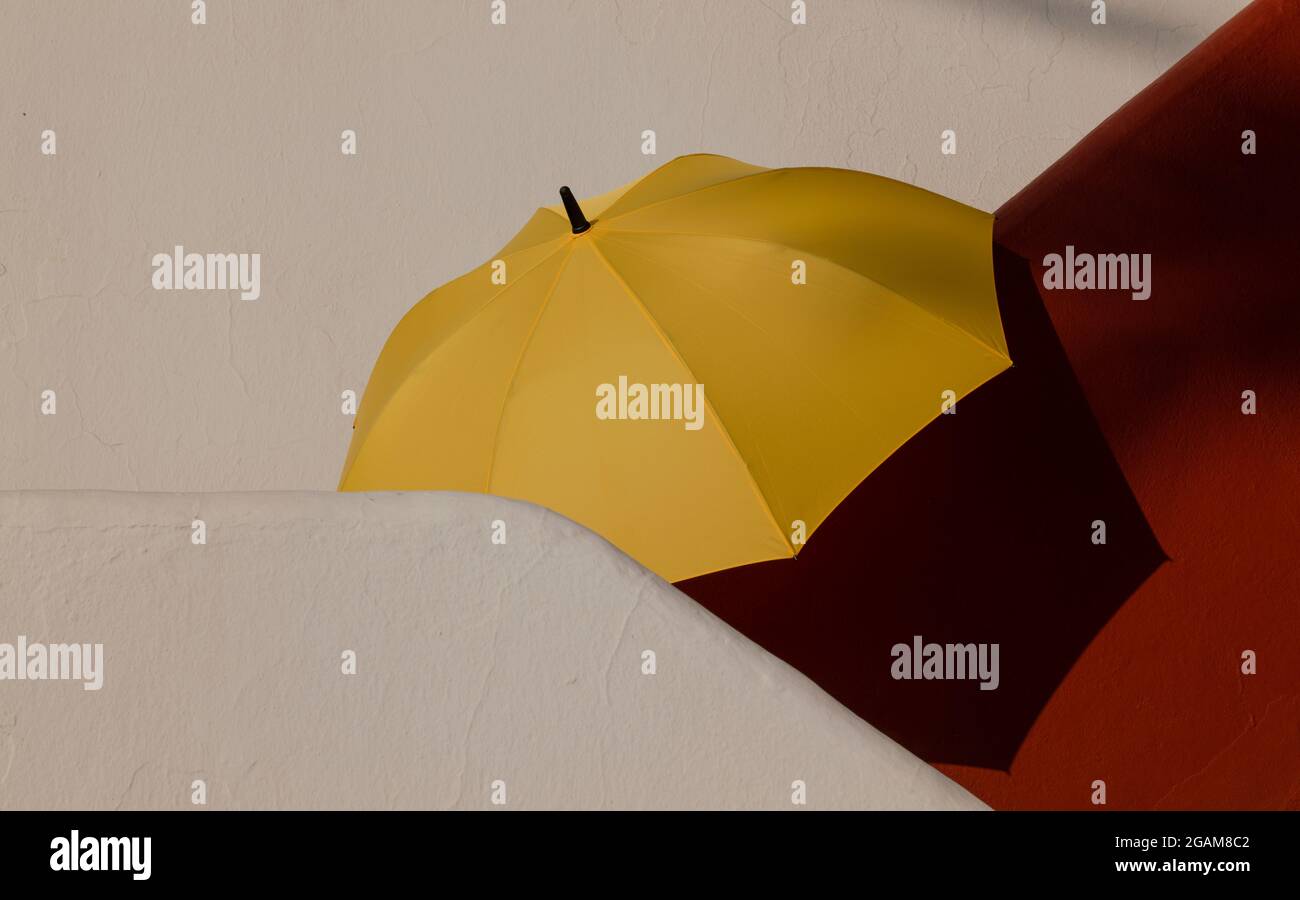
(576, 217)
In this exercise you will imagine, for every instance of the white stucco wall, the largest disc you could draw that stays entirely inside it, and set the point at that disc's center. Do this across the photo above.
(475, 662)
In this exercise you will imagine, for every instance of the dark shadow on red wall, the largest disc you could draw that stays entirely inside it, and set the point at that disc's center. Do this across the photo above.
(1159, 706)
(979, 530)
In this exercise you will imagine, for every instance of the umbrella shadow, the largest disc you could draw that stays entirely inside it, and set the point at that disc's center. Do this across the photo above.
(979, 530)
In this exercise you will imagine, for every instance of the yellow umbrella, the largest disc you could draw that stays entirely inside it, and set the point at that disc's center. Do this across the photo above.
(702, 370)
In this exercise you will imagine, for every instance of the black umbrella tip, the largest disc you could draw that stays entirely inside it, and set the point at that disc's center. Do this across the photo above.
(576, 217)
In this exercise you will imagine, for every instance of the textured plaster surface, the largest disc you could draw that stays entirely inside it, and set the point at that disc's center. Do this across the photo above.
(225, 137)
(475, 662)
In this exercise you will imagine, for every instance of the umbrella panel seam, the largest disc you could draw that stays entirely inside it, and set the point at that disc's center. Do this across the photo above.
(722, 428)
(523, 351)
(884, 287)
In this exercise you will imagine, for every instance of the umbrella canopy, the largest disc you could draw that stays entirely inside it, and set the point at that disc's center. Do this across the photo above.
(699, 366)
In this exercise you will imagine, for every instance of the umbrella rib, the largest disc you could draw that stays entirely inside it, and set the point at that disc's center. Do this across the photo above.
(692, 191)
(884, 287)
(722, 427)
(523, 350)
(384, 402)
(827, 389)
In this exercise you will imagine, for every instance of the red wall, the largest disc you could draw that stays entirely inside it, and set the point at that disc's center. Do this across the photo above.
(1157, 705)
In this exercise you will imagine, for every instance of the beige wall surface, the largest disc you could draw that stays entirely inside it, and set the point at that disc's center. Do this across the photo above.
(476, 662)
(225, 137)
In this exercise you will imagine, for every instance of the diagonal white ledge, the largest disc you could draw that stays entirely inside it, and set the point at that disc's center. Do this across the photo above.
(476, 663)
